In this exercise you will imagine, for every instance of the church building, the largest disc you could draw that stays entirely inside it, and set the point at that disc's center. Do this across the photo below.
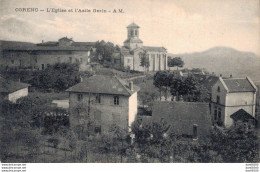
(129, 56)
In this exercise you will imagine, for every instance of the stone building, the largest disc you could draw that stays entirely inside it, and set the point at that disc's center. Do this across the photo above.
(129, 56)
(232, 98)
(11, 90)
(106, 100)
(39, 56)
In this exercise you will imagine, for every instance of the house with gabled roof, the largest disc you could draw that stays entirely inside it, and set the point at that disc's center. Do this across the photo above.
(107, 100)
(12, 90)
(230, 95)
(129, 55)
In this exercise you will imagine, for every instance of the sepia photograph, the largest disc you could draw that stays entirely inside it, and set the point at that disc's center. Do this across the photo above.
(134, 81)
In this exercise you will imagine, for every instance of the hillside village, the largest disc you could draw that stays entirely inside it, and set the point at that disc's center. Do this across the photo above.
(67, 101)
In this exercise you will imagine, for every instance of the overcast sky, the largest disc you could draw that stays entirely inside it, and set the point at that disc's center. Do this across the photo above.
(179, 25)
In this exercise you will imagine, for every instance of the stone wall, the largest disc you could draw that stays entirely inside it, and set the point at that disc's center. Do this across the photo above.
(110, 113)
(13, 97)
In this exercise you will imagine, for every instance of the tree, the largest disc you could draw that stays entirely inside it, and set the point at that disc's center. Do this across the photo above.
(188, 87)
(168, 76)
(105, 50)
(237, 144)
(59, 76)
(152, 140)
(177, 61)
(17, 132)
(144, 60)
(192, 89)
(177, 87)
(159, 81)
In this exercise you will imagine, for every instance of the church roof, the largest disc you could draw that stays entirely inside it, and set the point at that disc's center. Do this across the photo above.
(148, 48)
(133, 25)
(133, 40)
(153, 49)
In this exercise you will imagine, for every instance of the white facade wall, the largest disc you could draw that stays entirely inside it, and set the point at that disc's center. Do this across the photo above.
(110, 113)
(132, 108)
(231, 102)
(13, 97)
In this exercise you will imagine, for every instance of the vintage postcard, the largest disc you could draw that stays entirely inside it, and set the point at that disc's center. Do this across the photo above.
(135, 81)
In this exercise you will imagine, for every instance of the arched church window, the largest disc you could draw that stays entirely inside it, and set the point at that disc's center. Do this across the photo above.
(132, 33)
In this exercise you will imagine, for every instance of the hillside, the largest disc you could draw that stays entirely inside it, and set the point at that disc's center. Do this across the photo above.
(224, 60)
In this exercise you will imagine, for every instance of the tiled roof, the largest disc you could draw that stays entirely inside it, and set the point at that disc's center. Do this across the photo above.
(25, 46)
(133, 40)
(10, 45)
(242, 115)
(125, 51)
(133, 25)
(84, 44)
(116, 55)
(148, 48)
(104, 84)
(49, 43)
(209, 82)
(183, 115)
(8, 86)
(239, 85)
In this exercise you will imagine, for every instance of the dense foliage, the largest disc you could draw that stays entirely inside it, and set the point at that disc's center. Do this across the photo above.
(187, 87)
(59, 76)
(104, 51)
(176, 61)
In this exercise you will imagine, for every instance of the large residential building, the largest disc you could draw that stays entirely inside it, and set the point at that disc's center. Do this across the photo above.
(129, 56)
(39, 56)
(11, 90)
(107, 100)
(232, 99)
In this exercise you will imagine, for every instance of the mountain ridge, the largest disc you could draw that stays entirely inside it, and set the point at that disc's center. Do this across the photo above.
(224, 60)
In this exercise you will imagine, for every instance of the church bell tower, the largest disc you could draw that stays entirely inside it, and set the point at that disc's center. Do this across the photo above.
(133, 40)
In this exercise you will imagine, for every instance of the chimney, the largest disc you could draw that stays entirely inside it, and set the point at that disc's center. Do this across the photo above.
(181, 98)
(81, 78)
(131, 85)
(231, 76)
